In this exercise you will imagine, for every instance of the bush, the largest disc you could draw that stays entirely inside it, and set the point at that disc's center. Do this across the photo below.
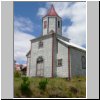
(25, 87)
(43, 84)
(73, 90)
(17, 74)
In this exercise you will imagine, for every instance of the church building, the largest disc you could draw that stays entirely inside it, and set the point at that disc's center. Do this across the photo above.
(52, 55)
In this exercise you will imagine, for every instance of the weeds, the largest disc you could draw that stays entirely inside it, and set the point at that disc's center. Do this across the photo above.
(43, 84)
(17, 74)
(50, 87)
(25, 87)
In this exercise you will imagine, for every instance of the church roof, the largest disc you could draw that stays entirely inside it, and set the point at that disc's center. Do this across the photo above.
(51, 12)
(72, 44)
(60, 38)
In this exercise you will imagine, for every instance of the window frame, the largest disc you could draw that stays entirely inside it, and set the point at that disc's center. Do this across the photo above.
(58, 24)
(83, 62)
(45, 24)
(40, 44)
(59, 62)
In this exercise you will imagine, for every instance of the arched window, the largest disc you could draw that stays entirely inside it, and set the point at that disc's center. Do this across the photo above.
(40, 59)
(83, 62)
(40, 67)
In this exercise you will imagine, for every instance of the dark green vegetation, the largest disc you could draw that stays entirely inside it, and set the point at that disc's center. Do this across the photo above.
(25, 87)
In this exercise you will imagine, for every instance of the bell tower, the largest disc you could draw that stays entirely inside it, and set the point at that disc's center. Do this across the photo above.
(52, 22)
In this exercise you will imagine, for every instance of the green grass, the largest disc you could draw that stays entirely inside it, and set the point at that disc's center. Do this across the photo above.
(55, 88)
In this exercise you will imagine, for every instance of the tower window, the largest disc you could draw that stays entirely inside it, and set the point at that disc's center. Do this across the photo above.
(58, 24)
(45, 24)
(40, 44)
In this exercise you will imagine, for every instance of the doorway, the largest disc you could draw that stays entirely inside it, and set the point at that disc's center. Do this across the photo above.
(40, 67)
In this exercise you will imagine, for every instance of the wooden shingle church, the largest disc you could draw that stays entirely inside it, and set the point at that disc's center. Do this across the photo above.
(52, 55)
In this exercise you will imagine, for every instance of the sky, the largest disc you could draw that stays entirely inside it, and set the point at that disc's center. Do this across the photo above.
(28, 24)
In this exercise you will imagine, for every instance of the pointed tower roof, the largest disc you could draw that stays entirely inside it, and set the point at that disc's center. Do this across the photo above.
(51, 12)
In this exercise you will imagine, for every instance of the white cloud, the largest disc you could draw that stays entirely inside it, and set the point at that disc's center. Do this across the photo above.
(76, 13)
(21, 38)
(61, 8)
(42, 12)
(23, 24)
(77, 31)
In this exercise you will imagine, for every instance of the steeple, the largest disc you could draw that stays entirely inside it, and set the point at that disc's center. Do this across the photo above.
(51, 21)
(51, 12)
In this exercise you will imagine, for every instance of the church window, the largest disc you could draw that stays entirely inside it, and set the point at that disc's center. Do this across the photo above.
(83, 62)
(58, 24)
(40, 44)
(59, 62)
(45, 24)
(40, 59)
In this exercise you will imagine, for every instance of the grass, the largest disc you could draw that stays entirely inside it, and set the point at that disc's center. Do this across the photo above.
(55, 88)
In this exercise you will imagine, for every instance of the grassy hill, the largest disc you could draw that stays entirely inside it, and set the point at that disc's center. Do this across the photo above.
(49, 87)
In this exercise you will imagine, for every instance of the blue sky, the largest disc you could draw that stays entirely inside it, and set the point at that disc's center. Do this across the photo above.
(30, 9)
(28, 23)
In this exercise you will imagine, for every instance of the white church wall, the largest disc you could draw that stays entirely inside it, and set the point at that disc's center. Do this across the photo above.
(28, 65)
(46, 53)
(62, 54)
(52, 24)
(76, 62)
(48, 57)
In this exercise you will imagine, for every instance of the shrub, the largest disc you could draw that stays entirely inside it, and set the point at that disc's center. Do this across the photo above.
(25, 87)
(73, 90)
(43, 84)
(17, 74)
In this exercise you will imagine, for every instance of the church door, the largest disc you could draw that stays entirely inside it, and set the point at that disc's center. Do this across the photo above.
(40, 67)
